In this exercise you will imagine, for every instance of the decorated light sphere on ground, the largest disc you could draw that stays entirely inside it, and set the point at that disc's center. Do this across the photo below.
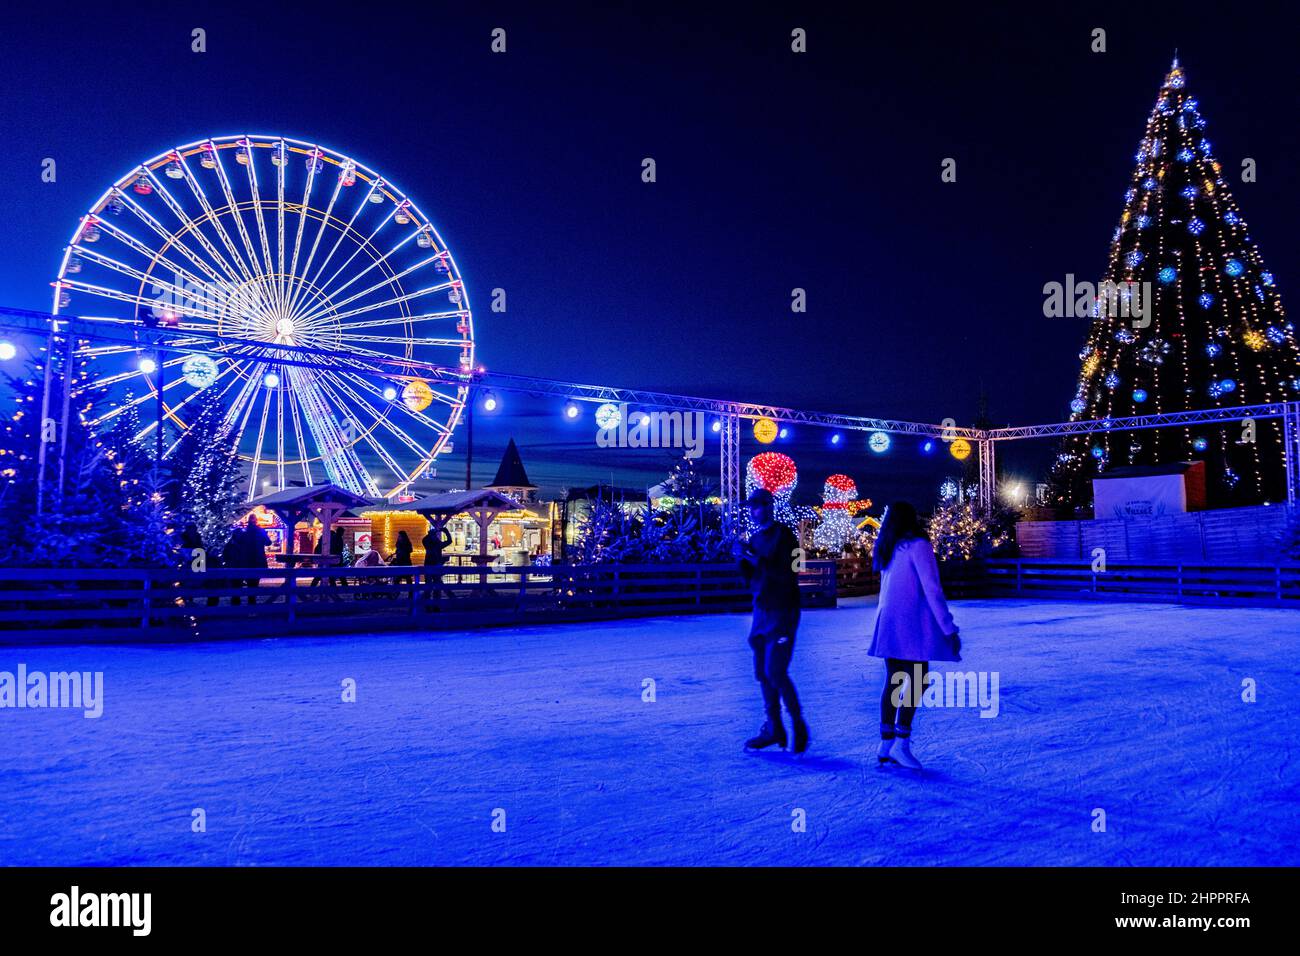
(777, 473)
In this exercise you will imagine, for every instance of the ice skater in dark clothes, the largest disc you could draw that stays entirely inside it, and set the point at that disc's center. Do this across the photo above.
(768, 561)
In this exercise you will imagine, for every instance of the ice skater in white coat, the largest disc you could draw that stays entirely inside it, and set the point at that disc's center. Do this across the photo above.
(913, 627)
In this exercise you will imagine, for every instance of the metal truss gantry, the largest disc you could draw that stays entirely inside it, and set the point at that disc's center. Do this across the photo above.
(728, 413)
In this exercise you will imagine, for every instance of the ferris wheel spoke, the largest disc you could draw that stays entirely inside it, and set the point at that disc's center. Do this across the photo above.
(257, 215)
(379, 449)
(185, 401)
(180, 271)
(212, 216)
(405, 340)
(343, 233)
(327, 216)
(402, 407)
(257, 448)
(279, 213)
(167, 412)
(154, 282)
(365, 245)
(252, 266)
(382, 419)
(236, 417)
(396, 300)
(405, 319)
(303, 454)
(341, 462)
(312, 162)
(174, 240)
(233, 206)
(391, 278)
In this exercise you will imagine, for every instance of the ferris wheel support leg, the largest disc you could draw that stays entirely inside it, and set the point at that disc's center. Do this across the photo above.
(987, 473)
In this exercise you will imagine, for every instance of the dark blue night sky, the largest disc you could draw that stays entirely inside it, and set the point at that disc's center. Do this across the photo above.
(775, 171)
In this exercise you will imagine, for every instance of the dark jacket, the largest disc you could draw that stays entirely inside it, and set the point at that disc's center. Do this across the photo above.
(402, 552)
(250, 546)
(768, 565)
(433, 545)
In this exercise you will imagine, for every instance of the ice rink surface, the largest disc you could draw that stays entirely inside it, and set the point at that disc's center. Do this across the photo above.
(1134, 710)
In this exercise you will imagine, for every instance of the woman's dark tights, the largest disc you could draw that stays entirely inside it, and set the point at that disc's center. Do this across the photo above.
(896, 718)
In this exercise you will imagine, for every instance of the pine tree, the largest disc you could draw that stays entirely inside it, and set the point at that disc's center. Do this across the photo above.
(80, 509)
(150, 525)
(1211, 332)
(207, 483)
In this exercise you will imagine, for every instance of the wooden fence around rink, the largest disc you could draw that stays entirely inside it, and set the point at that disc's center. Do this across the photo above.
(49, 605)
(1259, 585)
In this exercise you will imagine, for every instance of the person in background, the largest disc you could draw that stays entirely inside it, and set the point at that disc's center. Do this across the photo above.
(768, 561)
(435, 541)
(256, 541)
(402, 552)
(913, 627)
(192, 541)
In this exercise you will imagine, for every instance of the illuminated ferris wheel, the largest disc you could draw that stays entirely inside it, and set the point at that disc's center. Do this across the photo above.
(311, 293)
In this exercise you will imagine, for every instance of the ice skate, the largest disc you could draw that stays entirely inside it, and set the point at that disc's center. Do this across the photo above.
(772, 732)
(882, 752)
(901, 754)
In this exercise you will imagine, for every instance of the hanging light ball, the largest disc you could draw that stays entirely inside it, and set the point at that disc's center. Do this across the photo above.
(765, 431)
(609, 416)
(417, 395)
(199, 371)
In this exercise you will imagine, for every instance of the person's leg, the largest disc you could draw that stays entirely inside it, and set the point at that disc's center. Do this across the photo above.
(771, 695)
(777, 670)
(780, 653)
(773, 730)
(916, 671)
(914, 686)
(889, 700)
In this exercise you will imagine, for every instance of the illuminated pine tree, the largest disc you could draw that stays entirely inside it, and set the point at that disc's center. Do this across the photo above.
(1217, 334)
(207, 482)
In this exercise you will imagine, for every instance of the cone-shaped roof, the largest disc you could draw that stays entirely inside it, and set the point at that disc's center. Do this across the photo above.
(510, 473)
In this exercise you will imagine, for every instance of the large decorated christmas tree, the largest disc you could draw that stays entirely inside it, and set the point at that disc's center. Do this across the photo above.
(1211, 332)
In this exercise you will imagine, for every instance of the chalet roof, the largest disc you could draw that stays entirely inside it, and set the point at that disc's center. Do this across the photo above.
(454, 502)
(510, 473)
(302, 497)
